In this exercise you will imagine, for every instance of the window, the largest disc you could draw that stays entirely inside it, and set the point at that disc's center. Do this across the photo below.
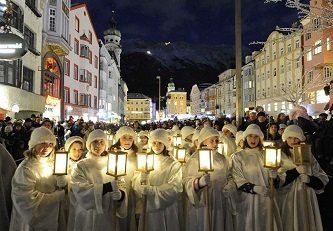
(275, 106)
(89, 78)
(328, 44)
(76, 46)
(316, 23)
(269, 107)
(76, 72)
(77, 24)
(317, 49)
(89, 100)
(298, 63)
(307, 36)
(283, 105)
(29, 37)
(28, 78)
(274, 72)
(10, 72)
(297, 45)
(52, 20)
(289, 66)
(76, 97)
(289, 47)
(268, 74)
(328, 72)
(65, 26)
(66, 95)
(96, 62)
(17, 19)
(95, 81)
(281, 51)
(84, 52)
(309, 55)
(274, 55)
(67, 67)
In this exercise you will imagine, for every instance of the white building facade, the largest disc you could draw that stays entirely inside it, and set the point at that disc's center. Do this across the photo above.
(248, 83)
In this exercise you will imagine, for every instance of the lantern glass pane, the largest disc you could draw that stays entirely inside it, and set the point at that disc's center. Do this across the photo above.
(175, 149)
(60, 163)
(225, 149)
(121, 165)
(112, 160)
(150, 162)
(271, 158)
(205, 160)
(278, 157)
(142, 161)
(268, 143)
(181, 153)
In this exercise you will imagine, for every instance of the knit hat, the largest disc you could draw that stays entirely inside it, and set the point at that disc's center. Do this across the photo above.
(41, 135)
(71, 140)
(175, 128)
(282, 126)
(186, 131)
(143, 133)
(125, 130)
(293, 131)
(253, 129)
(97, 134)
(195, 135)
(232, 128)
(239, 137)
(261, 113)
(298, 111)
(207, 132)
(159, 135)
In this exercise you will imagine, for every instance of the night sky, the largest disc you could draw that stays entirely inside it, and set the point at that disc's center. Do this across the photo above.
(193, 21)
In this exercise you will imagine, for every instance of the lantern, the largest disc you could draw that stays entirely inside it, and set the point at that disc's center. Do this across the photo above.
(225, 149)
(177, 140)
(268, 143)
(145, 162)
(272, 157)
(205, 160)
(302, 154)
(220, 147)
(117, 162)
(60, 163)
(180, 155)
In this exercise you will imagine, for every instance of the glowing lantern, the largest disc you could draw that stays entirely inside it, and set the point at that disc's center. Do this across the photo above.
(205, 160)
(180, 155)
(302, 154)
(145, 162)
(272, 157)
(220, 147)
(177, 140)
(117, 162)
(60, 163)
(268, 143)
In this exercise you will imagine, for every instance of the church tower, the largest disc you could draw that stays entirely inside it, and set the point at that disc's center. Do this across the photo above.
(112, 37)
(171, 85)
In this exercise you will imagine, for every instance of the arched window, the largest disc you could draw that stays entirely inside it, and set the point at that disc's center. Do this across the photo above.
(17, 21)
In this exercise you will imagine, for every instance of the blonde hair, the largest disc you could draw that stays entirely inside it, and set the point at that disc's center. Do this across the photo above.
(31, 153)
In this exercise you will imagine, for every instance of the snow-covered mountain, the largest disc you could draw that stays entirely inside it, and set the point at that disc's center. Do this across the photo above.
(187, 64)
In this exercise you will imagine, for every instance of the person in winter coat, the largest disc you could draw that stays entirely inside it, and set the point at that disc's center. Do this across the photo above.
(7, 170)
(252, 179)
(239, 140)
(97, 195)
(228, 138)
(143, 140)
(216, 185)
(297, 198)
(162, 188)
(195, 137)
(36, 192)
(74, 146)
(125, 141)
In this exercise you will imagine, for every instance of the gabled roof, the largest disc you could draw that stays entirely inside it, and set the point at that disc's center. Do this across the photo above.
(136, 96)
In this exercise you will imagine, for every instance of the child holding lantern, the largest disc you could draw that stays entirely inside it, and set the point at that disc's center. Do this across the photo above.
(252, 179)
(124, 138)
(96, 194)
(36, 200)
(143, 137)
(217, 186)
(74, 146)
(162, 187)
(297, 198)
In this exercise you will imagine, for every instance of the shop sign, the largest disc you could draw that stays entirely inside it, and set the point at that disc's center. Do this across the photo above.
(12, 46)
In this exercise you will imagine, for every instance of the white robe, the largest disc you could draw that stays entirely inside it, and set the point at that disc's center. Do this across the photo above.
(254, 210)
(291, 200)
(7, 170)
(230, 147)
(196, 205)
(35, 200)
(162, 207)
(94, 211)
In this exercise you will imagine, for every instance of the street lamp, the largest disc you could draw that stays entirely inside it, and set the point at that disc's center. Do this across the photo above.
(159, 95)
